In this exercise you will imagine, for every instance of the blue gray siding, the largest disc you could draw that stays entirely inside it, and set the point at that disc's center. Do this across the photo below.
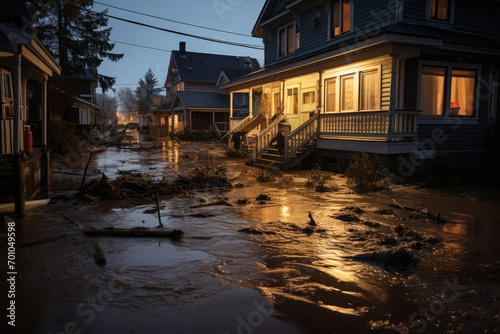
(480, 17)
(368, 17)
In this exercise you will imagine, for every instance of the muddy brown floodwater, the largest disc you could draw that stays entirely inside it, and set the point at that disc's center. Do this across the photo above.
(260, 267)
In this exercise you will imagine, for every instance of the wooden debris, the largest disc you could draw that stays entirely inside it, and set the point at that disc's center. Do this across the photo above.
(219, 201)
(99, 257)
(312, 222)
(135, 232)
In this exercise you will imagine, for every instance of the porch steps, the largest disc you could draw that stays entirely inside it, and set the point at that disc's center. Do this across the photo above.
(271, 156)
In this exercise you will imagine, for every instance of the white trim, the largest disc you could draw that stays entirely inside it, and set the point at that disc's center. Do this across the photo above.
(427, 119)
(357, 80)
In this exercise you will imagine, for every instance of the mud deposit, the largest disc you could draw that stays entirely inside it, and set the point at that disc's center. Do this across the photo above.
(281, 258)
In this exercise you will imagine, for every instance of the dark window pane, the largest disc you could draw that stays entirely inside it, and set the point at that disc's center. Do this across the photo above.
(335, 18)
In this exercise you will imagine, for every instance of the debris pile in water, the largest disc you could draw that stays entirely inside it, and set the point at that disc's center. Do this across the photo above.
(131, 185)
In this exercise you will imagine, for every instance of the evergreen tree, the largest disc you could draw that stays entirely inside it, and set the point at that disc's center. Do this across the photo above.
(81, 37)
(147, 88)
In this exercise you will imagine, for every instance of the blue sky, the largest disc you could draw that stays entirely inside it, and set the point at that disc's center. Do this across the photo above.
(231, 15)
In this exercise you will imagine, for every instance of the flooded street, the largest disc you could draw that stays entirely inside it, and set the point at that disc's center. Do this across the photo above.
(260, 267)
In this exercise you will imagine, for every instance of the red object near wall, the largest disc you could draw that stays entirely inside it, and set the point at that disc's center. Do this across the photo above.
(28, 140)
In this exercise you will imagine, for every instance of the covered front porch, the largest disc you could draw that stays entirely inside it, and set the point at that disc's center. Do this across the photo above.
(24, 170)
(352, 104)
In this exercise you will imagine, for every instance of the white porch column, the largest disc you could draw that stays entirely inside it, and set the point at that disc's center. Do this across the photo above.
(44, 113)
(17, 104)
(231, 100)
(250, 102)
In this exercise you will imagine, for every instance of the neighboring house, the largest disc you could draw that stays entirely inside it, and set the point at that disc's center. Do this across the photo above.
(84, 109)
(406, 80)
(196, 104)
(22, 56)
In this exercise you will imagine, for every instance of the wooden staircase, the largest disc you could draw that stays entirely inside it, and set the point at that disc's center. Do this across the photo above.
(298, 145)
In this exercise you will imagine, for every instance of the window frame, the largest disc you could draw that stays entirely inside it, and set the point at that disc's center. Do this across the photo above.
(6, 101)
(494, 85)
(447, 98)
(437, 21)
(332, 36)
(296, 45)
(357, 90)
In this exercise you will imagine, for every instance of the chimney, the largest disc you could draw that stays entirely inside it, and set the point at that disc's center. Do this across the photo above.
(182, 48)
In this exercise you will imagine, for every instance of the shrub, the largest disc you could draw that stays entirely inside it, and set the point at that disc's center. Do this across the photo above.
(363, 174)
(318, 178)
(269, 173)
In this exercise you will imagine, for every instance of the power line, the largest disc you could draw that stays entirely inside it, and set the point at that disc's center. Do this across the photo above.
(141, 46)
(170, 20)
(250, 46)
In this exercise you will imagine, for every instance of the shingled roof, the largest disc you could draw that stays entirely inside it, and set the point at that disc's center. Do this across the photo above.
(206, 100)
(206, 67)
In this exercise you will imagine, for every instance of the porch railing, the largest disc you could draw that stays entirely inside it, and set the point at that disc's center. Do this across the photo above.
(222, 126)
(302, 136)
(159, 131)
(266, 135)
(239, 126)
(370, 125)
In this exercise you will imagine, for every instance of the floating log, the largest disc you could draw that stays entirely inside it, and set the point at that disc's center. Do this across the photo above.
(135, 232)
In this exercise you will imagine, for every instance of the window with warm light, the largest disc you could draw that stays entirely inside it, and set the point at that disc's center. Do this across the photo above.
(440, 10)
(340, 17)
(358, 91)
(331, 95)
(447, 87)
(347, 93)
(288, 40)
(308, 98)
(369, 90)
(293, 100)
(432, 90)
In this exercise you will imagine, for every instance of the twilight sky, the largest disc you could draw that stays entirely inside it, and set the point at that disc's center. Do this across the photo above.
(230, 15)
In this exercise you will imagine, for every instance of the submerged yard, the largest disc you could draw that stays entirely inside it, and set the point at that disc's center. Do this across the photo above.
(364, 263)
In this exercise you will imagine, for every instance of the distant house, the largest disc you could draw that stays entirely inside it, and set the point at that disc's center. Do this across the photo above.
(196, 104)
(22, 56)
(85, 110)
(404, 80)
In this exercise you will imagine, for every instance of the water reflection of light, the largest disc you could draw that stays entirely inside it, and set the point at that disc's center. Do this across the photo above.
(170, 153)
(285, 211)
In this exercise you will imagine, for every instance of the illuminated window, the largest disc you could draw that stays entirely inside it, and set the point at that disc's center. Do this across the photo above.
(443, 88)
(293, 101)
(440, 10)
(369, 90)
(288, 40)
(432, 90)
(308, 98)
(340, 17)
(347, 93)
(331, 95)
(463, 83)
